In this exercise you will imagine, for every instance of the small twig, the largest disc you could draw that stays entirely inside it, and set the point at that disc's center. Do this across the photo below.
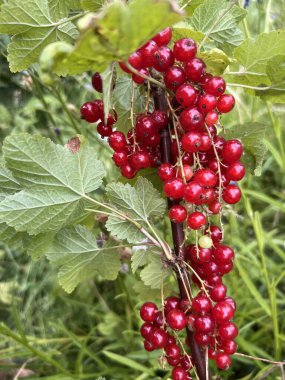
(260, 359)
(147, 77)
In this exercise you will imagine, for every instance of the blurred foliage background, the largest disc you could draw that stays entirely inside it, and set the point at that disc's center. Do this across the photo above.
(93, 333)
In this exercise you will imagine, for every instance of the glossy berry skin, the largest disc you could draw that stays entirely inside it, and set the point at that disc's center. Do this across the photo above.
(163, 59)
(140, 160)
(201, 339)
(146, 329)
(223, 361)
(196, 220)
(179, 373)
(135, 60)
(231, 194)
(191, 142)
(138, 79)
(178, 214)
(195, 69)
(89, 112)
(201, 304)
(232, 151)
(216, 234)
(171, 303)
(128, 171)
(186, 95)
(226, 103)
(193, 192)
(185, 171)
(174, 77)
(205, 177)
(231, 301)
(229, 347)
(173, 362)
(185, 362)
(163, 37)
(104, 130)
(159, 119)
(206, 142)
(176, 319)
(148, 311)
(158, 338)
(227, 331)
(211, 118)
(215, 86)
(159, 319)
(184, 49)
(145, 127)
(218, 292)
(97, 82)
(207, 103)
(223, 254)
(204, 324)
(223, 312)
(172, 351)
(117, 141)
(120, 158)
(191, 119)
(200, 255)
(215, 207)
(235, 172)
(148, 52)
(174, 188)
(166, 171)
(148, 346)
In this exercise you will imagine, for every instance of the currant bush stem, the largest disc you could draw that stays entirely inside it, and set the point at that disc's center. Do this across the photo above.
(150, 79)
(160, 102)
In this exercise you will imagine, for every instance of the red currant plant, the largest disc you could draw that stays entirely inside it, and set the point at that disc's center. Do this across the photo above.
(162, 111)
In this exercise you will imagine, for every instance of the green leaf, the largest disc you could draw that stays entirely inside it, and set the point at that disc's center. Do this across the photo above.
(115, 33)
(36, 160)
(191, 5)
(91, 5)
(38, 245)
(127, 362)
(56, 182)
(216, 61)
(141, 203)
(62, 7)
(140, 258)
(275, 71)
(184, 30)
(108, 81)
(33, 27)
(219, 21)
(77, 255)
(252, 136)
(255, 55)
(7, 234)
(154, 274)
(8, 184)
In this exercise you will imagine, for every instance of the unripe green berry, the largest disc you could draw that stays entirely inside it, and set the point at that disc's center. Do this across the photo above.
(205, 242)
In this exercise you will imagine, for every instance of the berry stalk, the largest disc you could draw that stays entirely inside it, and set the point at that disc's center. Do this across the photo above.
(198, 357)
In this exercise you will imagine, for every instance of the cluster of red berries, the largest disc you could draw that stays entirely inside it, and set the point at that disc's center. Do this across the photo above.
(155, 332)
(201, 176)
(210, 322)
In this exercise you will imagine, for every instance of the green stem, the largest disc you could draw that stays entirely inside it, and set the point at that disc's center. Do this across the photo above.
(68, 113)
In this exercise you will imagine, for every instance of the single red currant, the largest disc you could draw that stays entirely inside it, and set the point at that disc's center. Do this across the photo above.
(146, 329)
(140, 160)
(207, 103)
(235, 172)
(174, 188)
(104, 130)
(227, 331)
(191, 142)
(163, 37)
(179, 373)
(128, 171)
(163, 59)
(231, 194)
(205, 177)
(120, 158)
(117, 141)
(223, 361)
(196, 220)
(171, 303)
(193, 192)
(176, 319)
(158, 338)
(172, 351)
(195, 69)
(148, 311)
(137, 78)
(226, 103)
(174, 77)
(232, 151)
(201, 304)
(229, 347)
(160, 119)
(215, 86)
(178, 214)
(184, 49)
(148, 346)
(204, 324)
(218, 292)
(223, 312)
(186, 95)
(97, 82)
(148, 53)
(223, 254)
(191, 119)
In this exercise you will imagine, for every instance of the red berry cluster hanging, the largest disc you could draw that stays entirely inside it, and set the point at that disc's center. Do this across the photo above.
(201, 177)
